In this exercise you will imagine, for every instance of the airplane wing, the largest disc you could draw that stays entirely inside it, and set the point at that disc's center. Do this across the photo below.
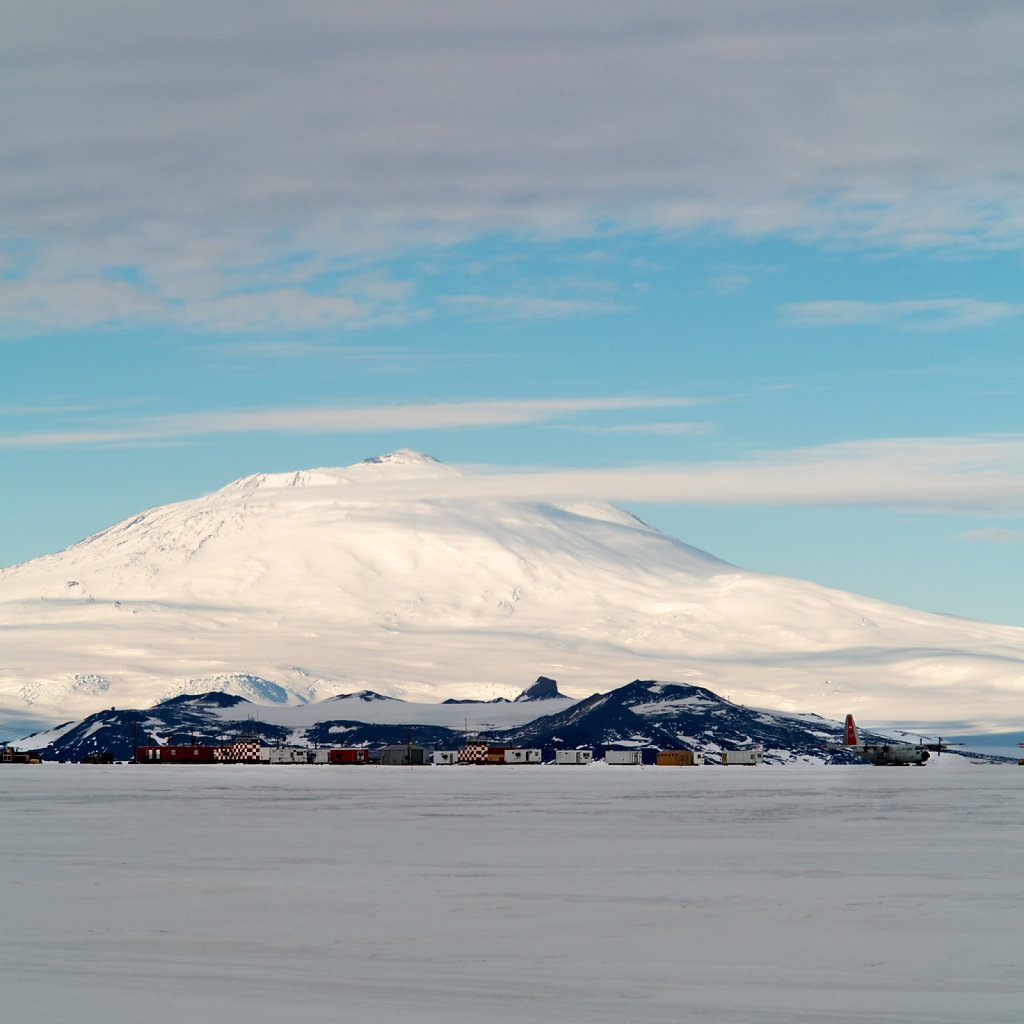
(940, 746)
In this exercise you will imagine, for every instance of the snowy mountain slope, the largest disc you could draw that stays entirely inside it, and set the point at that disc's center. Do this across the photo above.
(386, 576)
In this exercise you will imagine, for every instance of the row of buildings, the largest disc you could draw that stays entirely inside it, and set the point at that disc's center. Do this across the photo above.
(249, 751)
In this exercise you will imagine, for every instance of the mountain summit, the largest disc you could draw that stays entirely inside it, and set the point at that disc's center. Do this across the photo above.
(543, 689)
(394, 575)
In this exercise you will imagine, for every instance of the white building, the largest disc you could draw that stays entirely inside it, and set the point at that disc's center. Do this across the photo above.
(623, 757)
(286, 755)
(520, 755)
(742, 757)
(574, 756)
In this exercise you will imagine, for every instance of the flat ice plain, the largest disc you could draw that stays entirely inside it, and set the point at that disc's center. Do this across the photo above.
(548, 894)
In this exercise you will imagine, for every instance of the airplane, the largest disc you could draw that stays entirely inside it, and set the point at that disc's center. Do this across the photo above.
(888, 752)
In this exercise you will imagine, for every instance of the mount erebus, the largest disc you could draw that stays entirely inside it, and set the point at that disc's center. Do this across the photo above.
(391, 575)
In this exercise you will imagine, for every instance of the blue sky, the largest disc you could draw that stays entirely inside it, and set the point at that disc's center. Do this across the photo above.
(751, 269)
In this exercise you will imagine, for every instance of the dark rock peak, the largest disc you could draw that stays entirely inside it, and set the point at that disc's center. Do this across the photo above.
(214, 698)
(543, 689)
(644, 691)
(368, 696)
(496, 700)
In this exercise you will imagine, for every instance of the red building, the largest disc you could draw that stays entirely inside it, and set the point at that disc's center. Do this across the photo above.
(348, 755)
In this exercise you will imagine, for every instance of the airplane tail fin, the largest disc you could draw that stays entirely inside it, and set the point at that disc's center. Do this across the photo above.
(851, 738)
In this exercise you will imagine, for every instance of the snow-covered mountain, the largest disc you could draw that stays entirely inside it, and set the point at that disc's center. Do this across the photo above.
(392, 576)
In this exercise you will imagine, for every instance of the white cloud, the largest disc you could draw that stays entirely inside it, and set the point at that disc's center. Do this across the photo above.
(37, 304)
(315, 349)
(730, 278)
(40, 305)
(955, 474)
(922, 315)
(641, 428)
(979, 474)
(528, 307)
(354, 419)
(182, 138)
(993, 535)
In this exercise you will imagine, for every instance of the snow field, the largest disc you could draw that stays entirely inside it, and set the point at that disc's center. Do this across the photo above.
(797, 894)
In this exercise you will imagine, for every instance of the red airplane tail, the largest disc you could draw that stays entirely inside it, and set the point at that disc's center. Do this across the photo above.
(852, 739)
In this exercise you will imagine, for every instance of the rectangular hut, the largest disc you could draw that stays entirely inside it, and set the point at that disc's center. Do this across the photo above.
(574, 756)
(742, 757)
(356, 755)
(623, 757)
(289, 755)
(521, 755)
(680, 758)
(182, 754)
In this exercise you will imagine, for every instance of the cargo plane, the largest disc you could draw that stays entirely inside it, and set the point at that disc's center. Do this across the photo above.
(888, 752)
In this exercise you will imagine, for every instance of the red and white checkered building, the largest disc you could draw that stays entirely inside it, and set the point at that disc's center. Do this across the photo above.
(240, 750)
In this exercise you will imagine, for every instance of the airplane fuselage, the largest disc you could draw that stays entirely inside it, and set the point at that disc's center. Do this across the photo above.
(886, 753)
(890, 753)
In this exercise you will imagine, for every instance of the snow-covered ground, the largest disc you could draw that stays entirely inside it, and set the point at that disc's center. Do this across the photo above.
(598, 894)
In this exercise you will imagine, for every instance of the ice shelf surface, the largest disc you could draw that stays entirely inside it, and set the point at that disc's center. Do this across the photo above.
(596, 894)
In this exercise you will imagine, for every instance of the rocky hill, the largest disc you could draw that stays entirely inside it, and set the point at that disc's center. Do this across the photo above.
(642, 715)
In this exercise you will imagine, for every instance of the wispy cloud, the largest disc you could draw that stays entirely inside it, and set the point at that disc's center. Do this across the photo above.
(639, 428)
(528, 307)
(984, 475)
(920, 315)
(312, 349)
(39, 304)
(344, 419)
(727, 280)
(992, 535)
(285, 148)
(36, 410)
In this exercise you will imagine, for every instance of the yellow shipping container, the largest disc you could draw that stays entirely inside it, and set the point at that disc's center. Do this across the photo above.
(679, 758)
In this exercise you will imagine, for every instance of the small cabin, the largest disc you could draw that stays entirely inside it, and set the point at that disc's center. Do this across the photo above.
(8, 755)
(742, 757)
(356, 755)
(289, 755)
(680, 758)
(623, 757)
(522, 755)
(183, 754)
(574, 756)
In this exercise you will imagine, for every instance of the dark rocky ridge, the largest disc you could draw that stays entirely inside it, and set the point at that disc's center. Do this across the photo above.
(643, 714)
